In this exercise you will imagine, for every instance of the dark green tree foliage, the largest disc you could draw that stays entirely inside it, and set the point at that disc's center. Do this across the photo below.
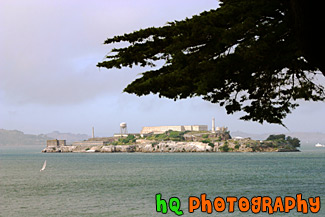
(224, 148)
(309, 27)
(243, 56)
(128, 139)
(295, 142)
(282, 139)
(276, 137)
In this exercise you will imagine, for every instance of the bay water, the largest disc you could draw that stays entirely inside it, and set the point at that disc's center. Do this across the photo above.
(125, 184)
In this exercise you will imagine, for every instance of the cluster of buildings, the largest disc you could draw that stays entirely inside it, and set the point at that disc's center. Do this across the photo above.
(180, 128)
(145, 131)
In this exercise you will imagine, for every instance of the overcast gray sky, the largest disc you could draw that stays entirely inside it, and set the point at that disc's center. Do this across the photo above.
(49, 79)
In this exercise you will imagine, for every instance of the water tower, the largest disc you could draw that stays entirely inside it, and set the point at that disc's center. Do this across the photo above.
(123, 128)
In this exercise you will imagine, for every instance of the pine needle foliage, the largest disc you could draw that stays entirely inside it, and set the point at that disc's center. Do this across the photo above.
(243, 56)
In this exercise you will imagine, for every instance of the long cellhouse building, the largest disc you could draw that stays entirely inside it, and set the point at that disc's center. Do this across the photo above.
(181, 128)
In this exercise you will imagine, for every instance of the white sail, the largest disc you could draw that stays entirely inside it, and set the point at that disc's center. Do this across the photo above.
(44, 165)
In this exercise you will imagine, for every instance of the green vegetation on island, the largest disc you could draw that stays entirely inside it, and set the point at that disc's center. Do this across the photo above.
(129, 140)
(221, 141)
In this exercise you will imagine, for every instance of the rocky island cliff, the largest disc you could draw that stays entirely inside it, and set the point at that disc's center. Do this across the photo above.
(173, 141)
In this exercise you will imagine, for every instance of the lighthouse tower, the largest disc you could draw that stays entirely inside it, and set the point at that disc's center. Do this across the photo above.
(213, 129)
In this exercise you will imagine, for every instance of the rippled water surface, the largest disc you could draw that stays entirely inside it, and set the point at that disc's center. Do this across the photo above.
(125, 184)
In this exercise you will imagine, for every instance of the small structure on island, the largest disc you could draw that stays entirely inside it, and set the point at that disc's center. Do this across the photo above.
(55, 143)
(222, 129)
(123, 128)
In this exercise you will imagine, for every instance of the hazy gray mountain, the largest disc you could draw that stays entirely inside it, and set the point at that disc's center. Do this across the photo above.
(69, 137)
(16, 137)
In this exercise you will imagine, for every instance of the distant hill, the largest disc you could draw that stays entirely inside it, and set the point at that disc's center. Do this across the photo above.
(69, 137)
(16, 137)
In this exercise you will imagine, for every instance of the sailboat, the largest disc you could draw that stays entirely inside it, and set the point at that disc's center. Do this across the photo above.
(44, 165)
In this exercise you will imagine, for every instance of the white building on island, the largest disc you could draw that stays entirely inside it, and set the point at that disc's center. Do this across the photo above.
(181, 128)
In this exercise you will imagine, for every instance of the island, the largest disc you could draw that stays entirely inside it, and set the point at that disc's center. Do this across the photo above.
(195, 138)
